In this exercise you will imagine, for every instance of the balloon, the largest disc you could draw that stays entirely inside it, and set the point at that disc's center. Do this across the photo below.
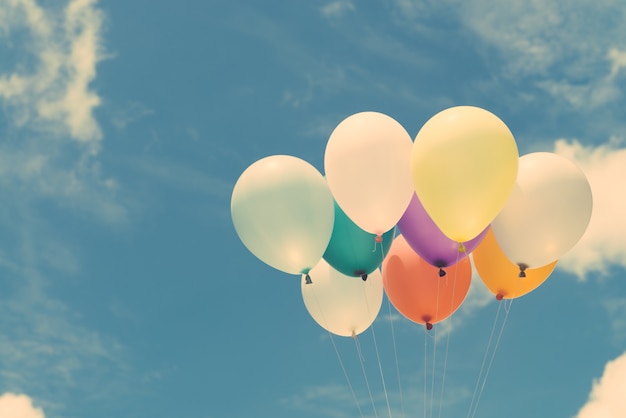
(501, 276)
(367, 168)
(283, 212)
(353, 251)
(415, 288)
(339, 303)
(547, 213)
(464, 164)
(427, 240)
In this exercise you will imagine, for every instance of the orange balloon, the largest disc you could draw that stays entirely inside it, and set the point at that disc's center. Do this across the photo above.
(417, 289)
(501, 275)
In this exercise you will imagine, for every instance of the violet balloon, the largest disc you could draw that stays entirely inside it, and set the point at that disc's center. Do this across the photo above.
(427, 240)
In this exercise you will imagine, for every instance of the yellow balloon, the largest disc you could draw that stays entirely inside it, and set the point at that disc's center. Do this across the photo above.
(501, 276)
(464, 165)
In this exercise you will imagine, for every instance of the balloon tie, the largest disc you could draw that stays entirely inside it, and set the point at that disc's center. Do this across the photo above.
(442, 272)
(522, 269)
(499, 296)
(379, 238)
(364, 277)
(429, 326)
(462, 247)
(307, 279)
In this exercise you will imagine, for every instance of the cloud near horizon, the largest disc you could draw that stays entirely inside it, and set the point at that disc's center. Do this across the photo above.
(606, 399)
(18, 406)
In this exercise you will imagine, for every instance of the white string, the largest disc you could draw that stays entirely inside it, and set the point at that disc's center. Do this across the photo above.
(445, 362)
(360, 354)
(395, 352)
(493, 354)
(425, 367)
(356, 401)
(482, 367)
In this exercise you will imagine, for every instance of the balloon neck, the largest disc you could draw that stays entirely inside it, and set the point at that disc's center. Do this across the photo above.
(442, 272)
(379, 238)
(462, 247)
(499, 296)
(353, 334)
(429, 326)
(522, 269)
(364, 277)
(307, 279)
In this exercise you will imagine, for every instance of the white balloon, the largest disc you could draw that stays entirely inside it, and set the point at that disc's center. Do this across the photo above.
(343, 305)
(367, 165)
(547, 213)
(283, 212)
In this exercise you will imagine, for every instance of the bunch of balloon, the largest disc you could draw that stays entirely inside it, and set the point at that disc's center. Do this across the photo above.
(339, 303)
(416, 289)
(547, 213)
(499, 273)
(427, 240)
(283, 212)
(367, 165)
(353, 251)
(464, 164)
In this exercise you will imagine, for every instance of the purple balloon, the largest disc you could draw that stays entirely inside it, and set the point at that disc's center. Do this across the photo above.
(427, 240)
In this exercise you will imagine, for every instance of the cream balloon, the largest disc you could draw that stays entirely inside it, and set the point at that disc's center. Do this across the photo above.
(547, 213)
(283, 212)
(343, 305)
(464, 164)
(367, 165)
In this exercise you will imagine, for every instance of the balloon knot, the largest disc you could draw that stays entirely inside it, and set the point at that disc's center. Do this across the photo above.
(522, 270)
(364, 277)
(353, 334)
(307, 279)
(499, 296)
(429, 326)
(462, 247)
(442, 272)
(378, 238)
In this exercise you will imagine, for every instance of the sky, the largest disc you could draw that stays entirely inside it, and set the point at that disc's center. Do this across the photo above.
(124, 127)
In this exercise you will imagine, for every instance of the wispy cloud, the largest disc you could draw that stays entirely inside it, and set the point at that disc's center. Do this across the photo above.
(616, 311)
(337, 8)
(18, 406)
(607, 394)
(569, 50)
(602, 245)
(49, 88)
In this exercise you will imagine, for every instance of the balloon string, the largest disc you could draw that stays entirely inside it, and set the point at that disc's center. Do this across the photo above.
(445, 361)
(367, 384)
(425, 367)
(493, 354)
(380, 368)
(345, 374)
(482, 367)
(356, 401)
(395, 353)
(432, 385)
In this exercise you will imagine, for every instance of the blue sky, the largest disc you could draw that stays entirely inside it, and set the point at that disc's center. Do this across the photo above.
(124, 126)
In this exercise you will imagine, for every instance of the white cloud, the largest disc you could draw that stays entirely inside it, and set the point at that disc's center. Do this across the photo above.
(45, 93)
(18, 406)
(607, 399)
(569, 50)
(48, 88)
(603, 243)
(337, 8)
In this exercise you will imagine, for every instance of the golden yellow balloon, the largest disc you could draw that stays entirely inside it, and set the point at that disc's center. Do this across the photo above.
(501, 276)
(464, 165)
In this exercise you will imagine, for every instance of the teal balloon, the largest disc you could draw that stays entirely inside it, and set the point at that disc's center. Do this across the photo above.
(353, 251)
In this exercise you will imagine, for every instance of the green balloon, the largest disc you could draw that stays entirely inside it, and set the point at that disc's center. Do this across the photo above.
(353, 251)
